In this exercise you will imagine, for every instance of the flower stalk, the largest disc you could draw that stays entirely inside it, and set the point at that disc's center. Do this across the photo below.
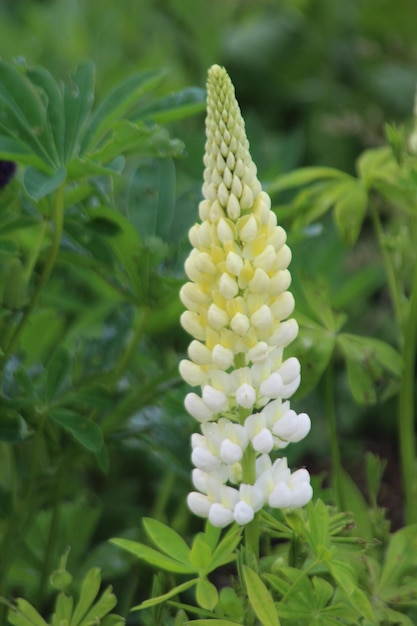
(237, 309)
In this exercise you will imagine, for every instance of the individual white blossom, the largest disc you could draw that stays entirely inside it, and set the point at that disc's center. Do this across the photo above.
(238, 310)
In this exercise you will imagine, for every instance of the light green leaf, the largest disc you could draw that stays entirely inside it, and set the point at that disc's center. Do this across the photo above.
(350, 211)
(104, 604)
(153, 557)
(167, 540)
(25, 615)
(302, 176)
(63, 610)
(206, 594)
(356, 504)
(116, 104)
(372, 163)
(88, 593)
(200, 555)
(166, 596)
(223, 553)
(400, 557)
(317, 531)
(84, 430)
(260, 599)
(39, 184)
(344, 576)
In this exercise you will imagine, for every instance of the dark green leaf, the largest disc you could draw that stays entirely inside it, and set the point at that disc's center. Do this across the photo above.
(58, 373)
(13, 427)
(84, 430)
(12, 149)
(116, 104)
(43, 79)
(176, 106)
(78, 100)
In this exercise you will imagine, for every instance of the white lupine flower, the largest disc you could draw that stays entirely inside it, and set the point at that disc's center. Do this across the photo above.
(237, 305)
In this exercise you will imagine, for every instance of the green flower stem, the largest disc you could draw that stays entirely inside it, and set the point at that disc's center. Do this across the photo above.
(58, 220)
(389, 267)
(329, 398)
(252, 533)
(406, 408)
(407, 324)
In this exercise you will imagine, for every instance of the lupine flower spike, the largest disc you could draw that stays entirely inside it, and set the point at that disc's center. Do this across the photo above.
(238, 305)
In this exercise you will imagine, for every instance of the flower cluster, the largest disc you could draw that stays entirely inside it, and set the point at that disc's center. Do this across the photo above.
(237, 309)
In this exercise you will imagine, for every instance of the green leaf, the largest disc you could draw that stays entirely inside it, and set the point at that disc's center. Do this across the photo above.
(231, 604)
(25, 615)
(302, 176)
(78, 100)
(63, 609)
(166, 596)
(350, 211)
(318, 532)
(44, 80)
(153, 557)
(260, 599)
(200, 555)
(176, 106)
(13, 427)
(317, 294)
(223, 553)
(12, 149)
(377, 362)
(400, 557)
(88, 593)
(371, 164)
(104, 604)
(344, 576)
(58, 373)
(84, 430)
(167, 540)
(39, 184)
(116, 104)
(153, 192)
(206, 594)
(356, 504)
(212, 622)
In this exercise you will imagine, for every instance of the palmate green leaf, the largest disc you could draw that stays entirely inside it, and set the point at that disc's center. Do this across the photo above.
(104, 604)
(201, 554)
(44, 80)
(373, 163)
(224, 552)
(78, 100)
(317, 294)
(317, 532)
(40, 184)
(153, 557)
(84, 430)
(22, 113)
(371, 365)
(83, 167)
(356, 504)
(116, 104)
(167, 540)
(350, 211)
(260, 599)
(63, 610)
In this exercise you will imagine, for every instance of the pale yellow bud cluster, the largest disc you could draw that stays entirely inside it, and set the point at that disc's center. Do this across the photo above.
(238, 306)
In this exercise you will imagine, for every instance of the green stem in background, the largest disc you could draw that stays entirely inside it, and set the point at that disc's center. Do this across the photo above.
(140, 321)
(407, 324)
(330, 404)
(406, 408)
(389, 267)
(58, 221)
